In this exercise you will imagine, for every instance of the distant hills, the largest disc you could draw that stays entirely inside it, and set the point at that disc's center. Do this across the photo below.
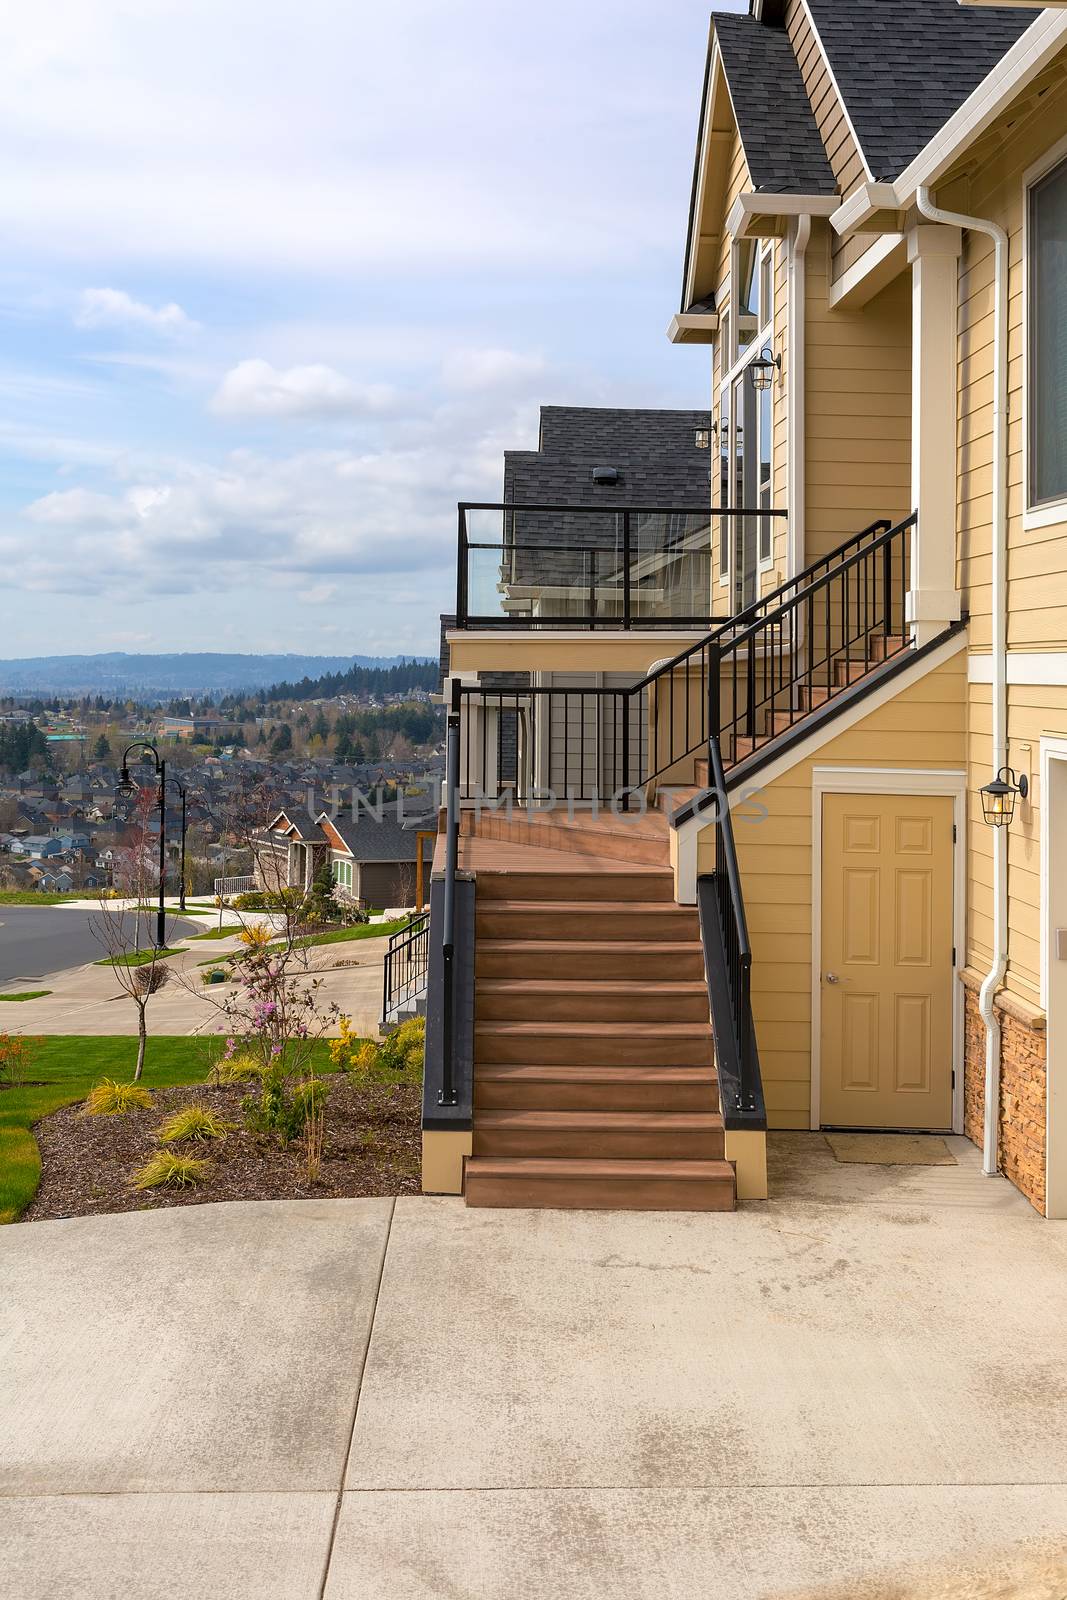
(159, 677)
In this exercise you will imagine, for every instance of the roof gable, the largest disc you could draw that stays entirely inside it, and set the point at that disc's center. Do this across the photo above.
(775, 121)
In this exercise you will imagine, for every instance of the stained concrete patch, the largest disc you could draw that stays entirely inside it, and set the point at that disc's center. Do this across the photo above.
(779, 1345)
(891, 1149)
(211, 1546)
(199, 1348)
(987, 1543)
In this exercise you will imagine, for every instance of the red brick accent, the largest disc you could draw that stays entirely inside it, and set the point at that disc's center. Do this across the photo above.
(1022, 1096)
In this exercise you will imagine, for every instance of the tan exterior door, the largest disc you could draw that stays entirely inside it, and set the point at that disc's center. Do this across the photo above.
(886, 980)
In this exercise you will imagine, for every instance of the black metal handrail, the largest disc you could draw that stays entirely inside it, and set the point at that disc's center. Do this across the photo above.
(832, 629)
(747, 680)
(447, 1096)
(608, 573)
(406, 965)
(737, 948)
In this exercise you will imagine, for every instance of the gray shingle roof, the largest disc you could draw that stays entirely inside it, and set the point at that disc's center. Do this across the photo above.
(387, 840)
(655, 452)
(904, 66)
(778, 130)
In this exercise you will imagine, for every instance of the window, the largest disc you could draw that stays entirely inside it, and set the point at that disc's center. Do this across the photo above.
(724, 481)
(342, 874)
(1047, 338)
(746, 276)
(746, 422)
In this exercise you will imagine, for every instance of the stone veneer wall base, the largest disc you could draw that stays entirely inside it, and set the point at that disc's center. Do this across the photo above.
(1021, 1134)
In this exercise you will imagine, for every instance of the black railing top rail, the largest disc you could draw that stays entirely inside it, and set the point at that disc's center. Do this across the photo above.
(725, 830)
(823, 581)
(408, 931)
(773, 597)
(612, 510)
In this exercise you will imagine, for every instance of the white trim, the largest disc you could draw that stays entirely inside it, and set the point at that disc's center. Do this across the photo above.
(585, 636)
(749, 207)
(1026, 667)
(879, 264)
(861, 206)
(693, 327)
(795, 417)
(707, 139)
(836, 88)
(1047, 513)
(1052, 749)
(890, 780)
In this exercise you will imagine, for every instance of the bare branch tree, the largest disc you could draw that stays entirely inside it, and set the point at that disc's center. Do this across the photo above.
(118, 929)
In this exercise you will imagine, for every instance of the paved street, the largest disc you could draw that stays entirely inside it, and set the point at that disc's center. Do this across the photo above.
(85, 998)
(35, 940)
(855, 1390)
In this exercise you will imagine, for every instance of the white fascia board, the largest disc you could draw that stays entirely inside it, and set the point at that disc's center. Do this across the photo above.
(761, 203)
(706, 141)
(878, 265)
(693, 327)
(862, 205)
(1019, 5)
(1028, 56)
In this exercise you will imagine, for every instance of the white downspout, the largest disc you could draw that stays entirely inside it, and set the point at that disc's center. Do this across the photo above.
(995, 976)
(797, 490)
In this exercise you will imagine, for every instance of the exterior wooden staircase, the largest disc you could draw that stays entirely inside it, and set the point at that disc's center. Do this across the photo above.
(594, 1081)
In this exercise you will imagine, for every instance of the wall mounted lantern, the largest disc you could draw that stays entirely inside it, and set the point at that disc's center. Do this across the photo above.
(765, 367)
(998, 797)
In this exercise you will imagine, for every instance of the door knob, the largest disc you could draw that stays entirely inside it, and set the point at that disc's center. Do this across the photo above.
(831, 977)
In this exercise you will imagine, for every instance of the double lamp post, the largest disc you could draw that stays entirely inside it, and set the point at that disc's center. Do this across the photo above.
(128, 786)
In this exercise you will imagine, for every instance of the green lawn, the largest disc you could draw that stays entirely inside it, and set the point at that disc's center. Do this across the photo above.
(68, 1065)
(27, 994)
(362, 930)
(135, 958)
(29, 897)
(216, 933)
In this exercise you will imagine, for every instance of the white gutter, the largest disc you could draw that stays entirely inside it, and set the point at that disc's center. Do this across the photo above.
(797, 310)
(995, 976)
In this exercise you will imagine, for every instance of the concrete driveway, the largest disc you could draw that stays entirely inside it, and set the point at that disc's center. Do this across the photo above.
(855, 1390)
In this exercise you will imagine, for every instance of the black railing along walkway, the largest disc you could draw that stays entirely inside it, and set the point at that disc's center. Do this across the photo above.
(406, 963)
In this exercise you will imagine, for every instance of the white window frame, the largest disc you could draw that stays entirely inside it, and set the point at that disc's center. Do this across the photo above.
(732, 365)
(1050, 512)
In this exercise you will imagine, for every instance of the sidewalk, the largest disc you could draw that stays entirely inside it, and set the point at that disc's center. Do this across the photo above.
(855, 1391)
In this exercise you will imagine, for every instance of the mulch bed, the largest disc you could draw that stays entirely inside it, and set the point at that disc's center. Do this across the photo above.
(372, 1147)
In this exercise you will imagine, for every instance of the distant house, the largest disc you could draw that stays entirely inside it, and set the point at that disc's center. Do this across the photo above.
(202, 728)
(289, 851)
(373, 860)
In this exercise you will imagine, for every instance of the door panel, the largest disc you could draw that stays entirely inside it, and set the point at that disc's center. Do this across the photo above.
(886, 980)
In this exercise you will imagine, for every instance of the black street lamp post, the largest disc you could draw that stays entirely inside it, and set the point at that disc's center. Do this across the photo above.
(127, 786)
(181, 889)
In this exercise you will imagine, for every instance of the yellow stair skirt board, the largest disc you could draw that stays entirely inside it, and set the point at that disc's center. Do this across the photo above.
(747, 1149)
(921, 726)
(443, 1155)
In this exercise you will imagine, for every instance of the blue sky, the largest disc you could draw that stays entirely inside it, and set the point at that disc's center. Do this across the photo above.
(282, 281)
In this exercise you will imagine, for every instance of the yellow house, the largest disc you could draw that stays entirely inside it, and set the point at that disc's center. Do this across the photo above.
(759, 813)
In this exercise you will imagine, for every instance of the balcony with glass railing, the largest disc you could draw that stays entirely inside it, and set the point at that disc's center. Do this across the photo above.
(582, 567)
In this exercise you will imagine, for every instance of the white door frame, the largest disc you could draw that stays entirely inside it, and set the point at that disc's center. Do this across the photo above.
(890, 780)
(1053, 757)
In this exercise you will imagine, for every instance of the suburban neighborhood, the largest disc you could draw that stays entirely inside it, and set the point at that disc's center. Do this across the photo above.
(570, 1099)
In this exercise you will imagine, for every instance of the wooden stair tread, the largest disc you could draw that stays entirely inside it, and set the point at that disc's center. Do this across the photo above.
(559, 1073)
(523, 986)
(599, 1030)
(566, 947)
(659, 908)
(592, 1121)
(595, 1167)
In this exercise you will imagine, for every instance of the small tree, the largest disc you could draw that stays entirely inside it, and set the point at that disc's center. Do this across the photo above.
(139, 979)
(102, 748)
(323, 904)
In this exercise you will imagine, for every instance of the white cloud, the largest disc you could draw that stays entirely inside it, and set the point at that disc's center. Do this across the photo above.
(114, 308)
(476, 371)
(319, 594)
(256, 389)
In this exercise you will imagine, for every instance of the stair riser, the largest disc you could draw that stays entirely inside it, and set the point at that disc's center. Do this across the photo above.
(600, 1194)
(551, 1050)
(615, 844)
(613, 967)
(590, 1007)
(556, 887)
(596, 1145)
(553, 922)
(596, 1097)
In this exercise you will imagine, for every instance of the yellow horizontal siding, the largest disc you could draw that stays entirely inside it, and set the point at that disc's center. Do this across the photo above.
(922, 726)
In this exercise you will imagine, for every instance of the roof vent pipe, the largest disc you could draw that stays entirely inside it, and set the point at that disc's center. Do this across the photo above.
(995, 976)
(606, 475)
